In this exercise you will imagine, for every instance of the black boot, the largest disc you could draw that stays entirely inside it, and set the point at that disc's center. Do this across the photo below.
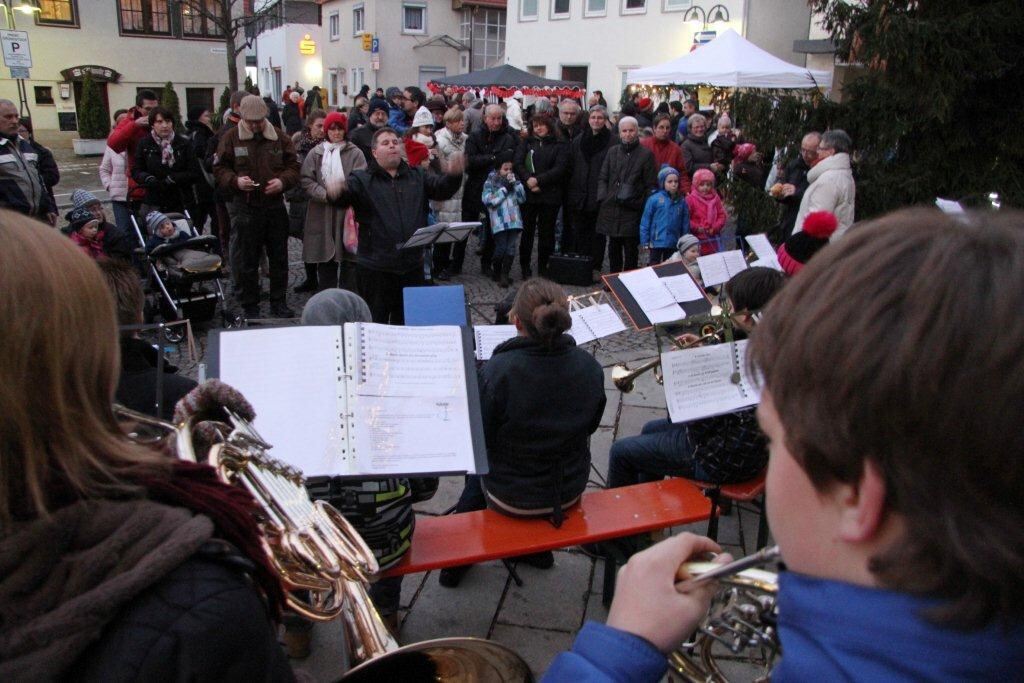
(310, 285)
(506, 272)
(496, 265)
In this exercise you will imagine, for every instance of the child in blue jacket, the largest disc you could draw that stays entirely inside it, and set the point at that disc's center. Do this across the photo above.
(666, 217)
(502, 195)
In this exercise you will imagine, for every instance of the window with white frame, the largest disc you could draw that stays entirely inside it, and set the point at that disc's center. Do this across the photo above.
(528, 10)
(414, 18)
(358, 20)
(334, 25)
(332, 89)
(677, 5)
(634, 6)
(595, 8)
(484, 31)
(560, 9)
(356, 78)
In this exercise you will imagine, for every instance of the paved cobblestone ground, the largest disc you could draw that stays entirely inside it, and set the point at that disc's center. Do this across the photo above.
(539, 619)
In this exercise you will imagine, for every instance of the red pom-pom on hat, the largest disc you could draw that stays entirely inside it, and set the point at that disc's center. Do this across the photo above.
(820, 224)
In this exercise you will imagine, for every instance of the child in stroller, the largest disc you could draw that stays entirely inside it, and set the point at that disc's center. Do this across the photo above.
(165, 232)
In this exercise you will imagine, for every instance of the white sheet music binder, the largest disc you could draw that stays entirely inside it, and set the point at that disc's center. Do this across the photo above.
(708, 380)
(589, 323)
(359, 400)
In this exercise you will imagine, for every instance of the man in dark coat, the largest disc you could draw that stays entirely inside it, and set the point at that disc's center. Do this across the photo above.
(390, 203)
(482, 148)
(794, 184)
(377, 118)
(586, 156)
(256, 164)
(627, 178)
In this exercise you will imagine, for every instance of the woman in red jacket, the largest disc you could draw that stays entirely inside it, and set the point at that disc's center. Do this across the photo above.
(666, 151)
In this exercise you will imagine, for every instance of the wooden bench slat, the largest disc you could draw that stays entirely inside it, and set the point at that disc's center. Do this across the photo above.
(471, 537)
(742, 491)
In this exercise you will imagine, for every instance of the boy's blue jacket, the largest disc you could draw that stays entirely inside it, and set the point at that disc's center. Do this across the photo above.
(664, 220)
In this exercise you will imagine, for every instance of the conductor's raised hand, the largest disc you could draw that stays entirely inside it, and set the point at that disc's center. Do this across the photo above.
(647, 603)
(456, 164)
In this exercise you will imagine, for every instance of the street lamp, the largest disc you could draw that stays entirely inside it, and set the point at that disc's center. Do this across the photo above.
(698, 18)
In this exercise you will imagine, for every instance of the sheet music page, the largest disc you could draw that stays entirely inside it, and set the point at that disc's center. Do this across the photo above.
(601, 320)
(682, 287)
(490, 336)
(734, 261)
(408, 434)
(647, 288)
(763, 249)
(579, 330)
(712, 269)
(651, 294)
(290, 375)
(410, 361)
(411, 408)
(698, 382)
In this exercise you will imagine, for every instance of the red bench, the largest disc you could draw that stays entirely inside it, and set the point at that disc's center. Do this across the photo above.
(745, 492)
(471, 537)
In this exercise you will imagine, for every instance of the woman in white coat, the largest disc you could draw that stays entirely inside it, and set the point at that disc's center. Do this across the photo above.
(323, 179)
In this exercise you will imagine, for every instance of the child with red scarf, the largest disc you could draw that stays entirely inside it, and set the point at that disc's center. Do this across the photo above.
(86, 233)
(707, 212)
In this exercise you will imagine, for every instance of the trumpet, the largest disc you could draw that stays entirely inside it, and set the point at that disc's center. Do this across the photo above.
(624, 377)
(741, 623)
(323, 563)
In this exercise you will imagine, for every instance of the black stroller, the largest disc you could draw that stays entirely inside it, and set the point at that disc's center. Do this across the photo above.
(184, 276)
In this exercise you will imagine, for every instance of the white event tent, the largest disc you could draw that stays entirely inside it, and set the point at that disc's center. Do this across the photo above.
(730, 61)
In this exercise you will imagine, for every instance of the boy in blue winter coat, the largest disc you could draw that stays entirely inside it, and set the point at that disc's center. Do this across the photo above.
(502, 195)
(666, 217)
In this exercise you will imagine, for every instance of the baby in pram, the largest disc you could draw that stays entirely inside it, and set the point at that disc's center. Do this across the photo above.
(165, 231)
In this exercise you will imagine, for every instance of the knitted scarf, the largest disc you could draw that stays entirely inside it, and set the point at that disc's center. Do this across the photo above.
(331, 170)
(166, 151)
(63, 578)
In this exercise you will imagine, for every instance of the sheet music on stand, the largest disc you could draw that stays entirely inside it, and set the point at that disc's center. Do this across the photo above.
(655, 295)
(361, 399)
(708, 380)
(489, 337)
(720, 267)
(762, 248)
(440, 233)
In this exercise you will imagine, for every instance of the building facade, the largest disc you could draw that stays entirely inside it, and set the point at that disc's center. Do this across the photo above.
(598, 41)
(126, 45)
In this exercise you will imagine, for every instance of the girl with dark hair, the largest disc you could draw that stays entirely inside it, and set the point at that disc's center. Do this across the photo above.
(538, 449)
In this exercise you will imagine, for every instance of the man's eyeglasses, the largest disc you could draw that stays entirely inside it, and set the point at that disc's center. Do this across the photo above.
(808, 152)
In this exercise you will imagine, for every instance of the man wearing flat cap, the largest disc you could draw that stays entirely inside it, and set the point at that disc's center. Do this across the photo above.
(255, 164)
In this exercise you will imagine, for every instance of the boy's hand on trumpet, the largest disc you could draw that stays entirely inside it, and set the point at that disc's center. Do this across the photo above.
(647, 603)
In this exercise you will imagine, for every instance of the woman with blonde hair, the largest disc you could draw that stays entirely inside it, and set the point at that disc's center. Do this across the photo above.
(538, 449)
(116, 561)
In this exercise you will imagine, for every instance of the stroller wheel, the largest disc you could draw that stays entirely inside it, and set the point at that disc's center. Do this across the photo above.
(174, 335)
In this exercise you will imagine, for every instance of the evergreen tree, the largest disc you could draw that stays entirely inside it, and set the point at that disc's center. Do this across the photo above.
(224, 105)
(248, 84)
(93, 121)
(169, 101)
(936, 111)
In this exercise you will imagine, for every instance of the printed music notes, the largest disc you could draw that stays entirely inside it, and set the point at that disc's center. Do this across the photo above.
(707, 380)
(359, 400)
(490, 336)
(718, 268)
(594, 322)
(762, 248)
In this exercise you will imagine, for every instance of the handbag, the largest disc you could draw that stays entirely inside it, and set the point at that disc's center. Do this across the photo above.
(350, 232)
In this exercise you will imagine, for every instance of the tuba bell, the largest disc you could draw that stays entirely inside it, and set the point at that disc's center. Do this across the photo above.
(323, 563)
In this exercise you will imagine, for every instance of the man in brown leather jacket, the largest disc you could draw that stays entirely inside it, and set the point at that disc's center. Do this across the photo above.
(255, 164)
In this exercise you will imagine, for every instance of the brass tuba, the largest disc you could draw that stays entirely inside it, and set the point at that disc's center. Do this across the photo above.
(740, 626)
(323, 563)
